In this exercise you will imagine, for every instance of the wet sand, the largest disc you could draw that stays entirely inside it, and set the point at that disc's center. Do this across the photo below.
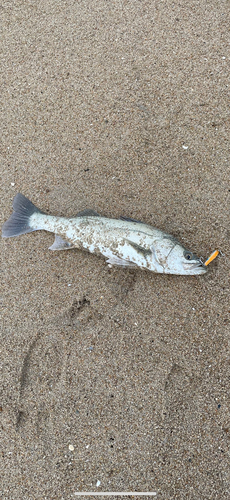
(115, 375)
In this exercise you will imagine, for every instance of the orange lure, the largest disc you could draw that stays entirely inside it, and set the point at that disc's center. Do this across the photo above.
(212, 257)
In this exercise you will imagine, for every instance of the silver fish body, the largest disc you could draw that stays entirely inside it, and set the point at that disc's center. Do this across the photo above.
(124, 242)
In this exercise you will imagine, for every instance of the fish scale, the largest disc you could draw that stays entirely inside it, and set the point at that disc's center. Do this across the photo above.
(109, 237)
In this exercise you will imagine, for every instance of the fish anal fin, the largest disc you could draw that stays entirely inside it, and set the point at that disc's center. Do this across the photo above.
(88, 212)
(60, 244)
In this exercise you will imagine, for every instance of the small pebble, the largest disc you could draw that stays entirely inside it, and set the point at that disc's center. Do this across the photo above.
(12, 183)
(98, 483)
(71, 447)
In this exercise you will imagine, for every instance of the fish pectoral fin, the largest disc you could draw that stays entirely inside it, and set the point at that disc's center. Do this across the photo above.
(116, 261)
(88, 212)
(144, 252)
(60, 244)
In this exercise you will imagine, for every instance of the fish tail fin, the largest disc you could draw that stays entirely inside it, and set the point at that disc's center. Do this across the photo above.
(19, 221)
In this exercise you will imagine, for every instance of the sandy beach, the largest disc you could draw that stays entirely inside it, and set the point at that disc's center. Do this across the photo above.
(115, 379)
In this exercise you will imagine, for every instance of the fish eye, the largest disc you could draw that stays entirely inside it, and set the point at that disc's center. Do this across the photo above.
(187, 255)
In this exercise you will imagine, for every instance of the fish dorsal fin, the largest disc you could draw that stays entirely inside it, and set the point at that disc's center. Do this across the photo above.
(60, 244)
(88, 212)
(128, 219)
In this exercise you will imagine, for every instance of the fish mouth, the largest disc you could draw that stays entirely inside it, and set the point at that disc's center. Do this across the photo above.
(196, 267)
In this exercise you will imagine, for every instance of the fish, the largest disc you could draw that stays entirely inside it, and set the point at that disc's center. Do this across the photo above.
(123, 242)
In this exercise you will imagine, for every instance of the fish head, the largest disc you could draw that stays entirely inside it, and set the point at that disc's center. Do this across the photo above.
(181, 261)
(174, 258)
